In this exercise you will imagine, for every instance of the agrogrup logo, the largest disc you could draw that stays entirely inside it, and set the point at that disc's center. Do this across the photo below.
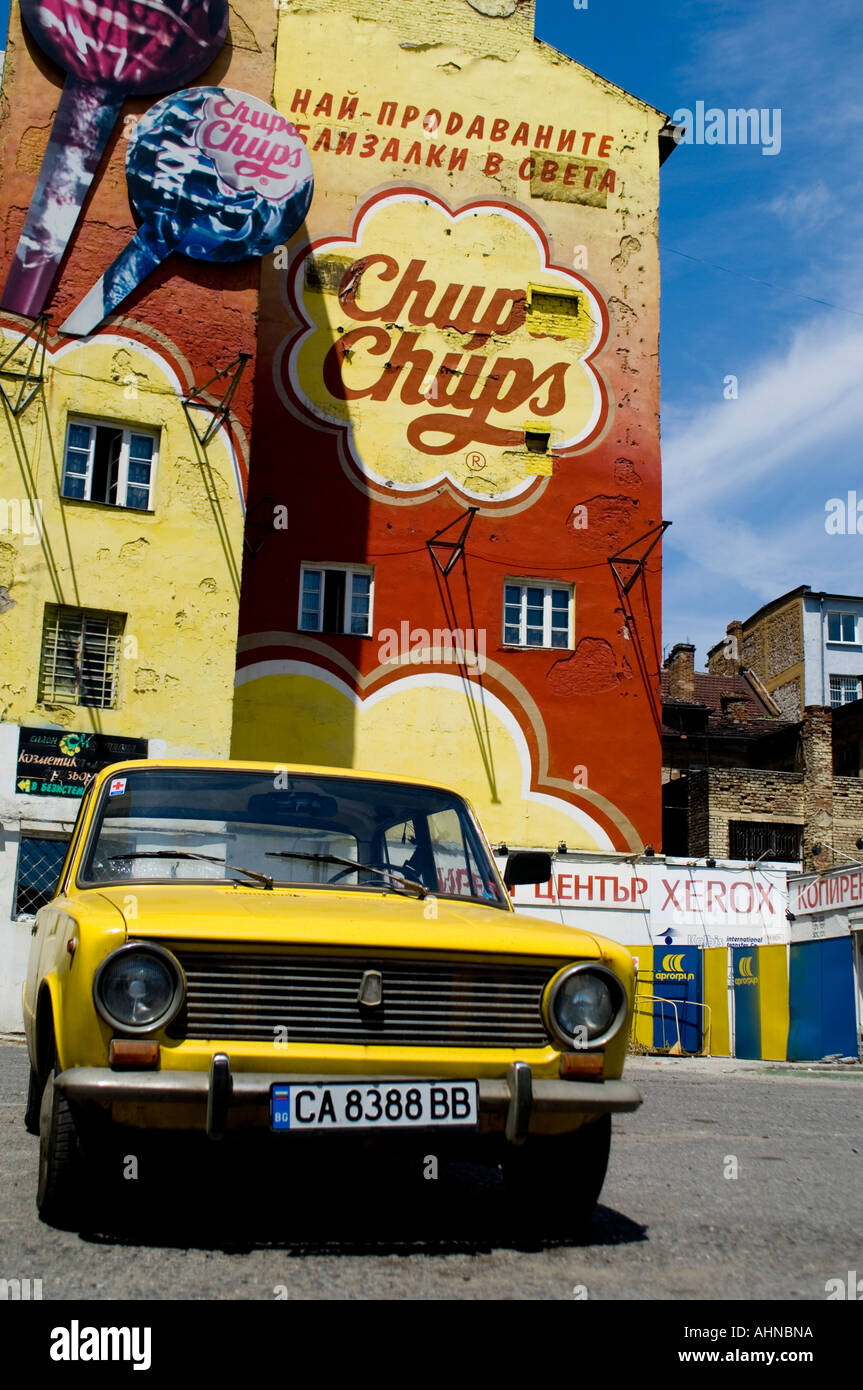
(673, 968)
(446, 345)
(745, 974)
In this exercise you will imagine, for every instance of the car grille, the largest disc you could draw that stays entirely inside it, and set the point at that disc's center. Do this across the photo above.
(452, 1003)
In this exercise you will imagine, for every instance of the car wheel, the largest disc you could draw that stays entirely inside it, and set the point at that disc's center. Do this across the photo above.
(553, 1181)
(60, 1196)
(34, 1101)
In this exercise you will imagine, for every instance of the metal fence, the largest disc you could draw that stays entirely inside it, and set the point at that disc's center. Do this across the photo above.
(39, 864)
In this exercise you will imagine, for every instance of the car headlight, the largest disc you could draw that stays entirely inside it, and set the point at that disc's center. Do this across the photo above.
(585, 1005)
(139, 988)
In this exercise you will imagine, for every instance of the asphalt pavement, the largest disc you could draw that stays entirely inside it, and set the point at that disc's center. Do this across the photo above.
(740, 1180)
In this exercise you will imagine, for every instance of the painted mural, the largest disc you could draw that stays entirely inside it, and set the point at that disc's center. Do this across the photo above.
(108, 51)
(213, 174)
(124, 457)
(415, 416)
(456, 456)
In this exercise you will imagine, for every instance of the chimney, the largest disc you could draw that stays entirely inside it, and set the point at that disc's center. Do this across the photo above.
(735, 707)
(680, 668)
(726, 658)
(817, 743)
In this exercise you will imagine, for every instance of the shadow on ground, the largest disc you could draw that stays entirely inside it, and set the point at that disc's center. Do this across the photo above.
(360, 1202)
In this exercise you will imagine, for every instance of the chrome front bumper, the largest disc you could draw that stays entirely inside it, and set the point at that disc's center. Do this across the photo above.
(517, 1095)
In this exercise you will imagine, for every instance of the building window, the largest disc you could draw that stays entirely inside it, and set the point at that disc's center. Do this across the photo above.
(537, 614)
(842, 627)
(775, 841)
(39, 865)
(336, 598)
(80, 656)
(109, 463)
(844, 689)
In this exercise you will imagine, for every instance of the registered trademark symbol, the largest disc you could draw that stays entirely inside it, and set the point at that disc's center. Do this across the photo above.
(475, 461)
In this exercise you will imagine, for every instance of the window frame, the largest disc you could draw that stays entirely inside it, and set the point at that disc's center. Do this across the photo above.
(349, 570)
(43, 696)
(122, 488)
(42, 836)
(843, 613)
(549, 586)
(858, 682)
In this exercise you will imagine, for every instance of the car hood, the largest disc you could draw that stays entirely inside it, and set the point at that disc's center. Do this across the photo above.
(325, 918)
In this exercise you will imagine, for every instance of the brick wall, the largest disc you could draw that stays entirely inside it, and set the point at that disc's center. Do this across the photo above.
(847, 815)
(738, 793)
(817, 748)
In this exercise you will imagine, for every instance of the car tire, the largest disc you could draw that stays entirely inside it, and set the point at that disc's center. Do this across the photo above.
(34, 1102)
(552, 1182)
(61, 1195)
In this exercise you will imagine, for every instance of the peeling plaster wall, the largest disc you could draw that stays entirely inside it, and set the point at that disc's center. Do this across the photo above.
(173, 572)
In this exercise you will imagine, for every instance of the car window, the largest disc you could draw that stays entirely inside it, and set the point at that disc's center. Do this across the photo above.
(294, 829)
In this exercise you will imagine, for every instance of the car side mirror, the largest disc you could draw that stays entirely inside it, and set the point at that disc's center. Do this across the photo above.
(527, 866)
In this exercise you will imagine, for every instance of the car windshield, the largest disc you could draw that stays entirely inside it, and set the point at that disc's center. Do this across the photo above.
(212, 825)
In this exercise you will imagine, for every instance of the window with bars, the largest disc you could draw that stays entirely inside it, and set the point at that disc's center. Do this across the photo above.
(536, 614)
(844, 690)
(39, 865)
(80, 656)
(336, 598)
(775, 841)
(109, 463)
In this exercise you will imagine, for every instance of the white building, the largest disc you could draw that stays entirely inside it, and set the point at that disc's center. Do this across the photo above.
(806, 648)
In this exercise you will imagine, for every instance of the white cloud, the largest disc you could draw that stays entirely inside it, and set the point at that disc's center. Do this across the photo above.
(788, 407)
(806, 209)
(746, 481)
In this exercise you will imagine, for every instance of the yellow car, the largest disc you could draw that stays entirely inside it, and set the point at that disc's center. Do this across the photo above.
(318, 953)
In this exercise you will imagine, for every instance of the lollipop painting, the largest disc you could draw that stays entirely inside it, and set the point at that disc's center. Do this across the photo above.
(214, 174)
(109, 49)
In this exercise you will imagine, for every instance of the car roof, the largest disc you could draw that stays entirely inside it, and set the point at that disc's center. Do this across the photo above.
(242, 765)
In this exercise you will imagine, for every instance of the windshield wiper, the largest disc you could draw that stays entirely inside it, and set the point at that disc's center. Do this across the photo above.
(187, 854)
(416, 888)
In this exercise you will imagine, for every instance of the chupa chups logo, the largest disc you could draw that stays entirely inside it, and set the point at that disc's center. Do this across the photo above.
(445, 347)
(214, 174)
(240, 135)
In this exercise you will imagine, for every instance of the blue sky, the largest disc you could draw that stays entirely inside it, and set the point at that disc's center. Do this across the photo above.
(746, 481)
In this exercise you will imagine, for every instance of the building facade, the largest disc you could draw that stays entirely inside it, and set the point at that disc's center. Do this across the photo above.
(122, 481)
(806, 647)
(740, 780)
(826, 964)
(457, 407)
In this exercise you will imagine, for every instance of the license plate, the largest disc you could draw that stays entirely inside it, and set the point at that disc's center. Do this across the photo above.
(317, 1105)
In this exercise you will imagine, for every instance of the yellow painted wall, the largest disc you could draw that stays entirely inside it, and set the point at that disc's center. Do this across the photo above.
(642, 1023)
(715, 985)
(773, 1001)
(174, 572)
(429, 719)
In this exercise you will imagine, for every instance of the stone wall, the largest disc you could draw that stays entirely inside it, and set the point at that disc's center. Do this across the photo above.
(847, 816)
